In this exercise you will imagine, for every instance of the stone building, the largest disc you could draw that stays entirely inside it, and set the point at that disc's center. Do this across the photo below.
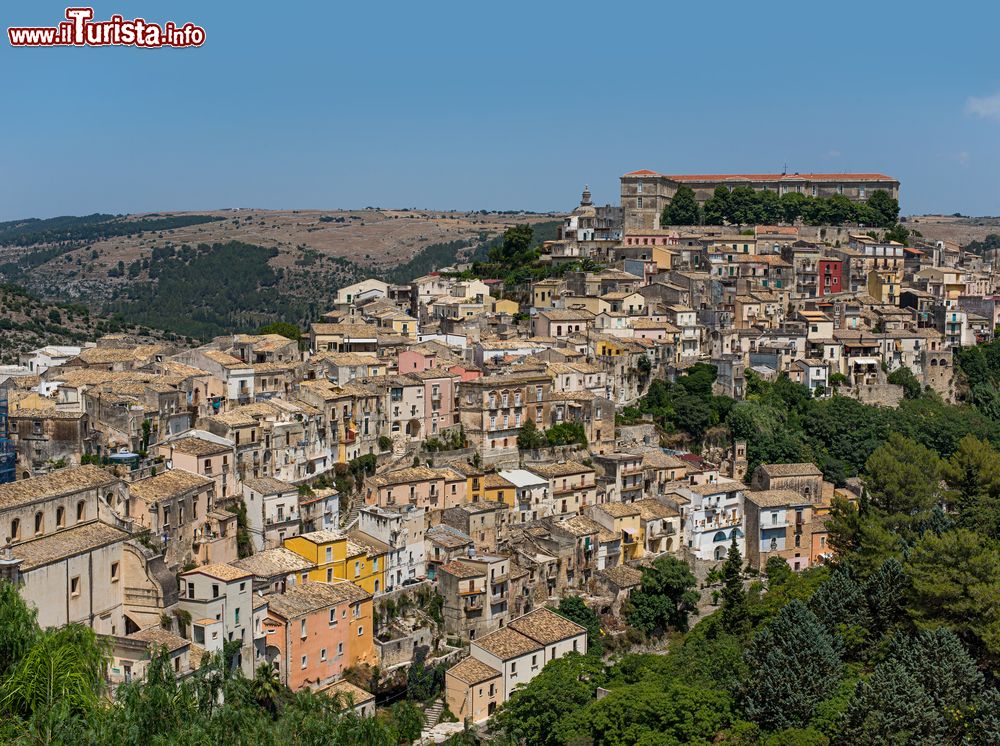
(645, 193)
(805, 479)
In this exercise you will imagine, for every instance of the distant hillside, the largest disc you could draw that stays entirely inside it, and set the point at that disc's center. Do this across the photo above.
(201, 275)
(27, 323)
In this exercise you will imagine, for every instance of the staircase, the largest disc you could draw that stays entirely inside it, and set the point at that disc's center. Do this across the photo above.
(350, 518)
(433, 714)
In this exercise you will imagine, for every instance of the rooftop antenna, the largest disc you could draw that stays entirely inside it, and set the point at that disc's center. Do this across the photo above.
(784, 169)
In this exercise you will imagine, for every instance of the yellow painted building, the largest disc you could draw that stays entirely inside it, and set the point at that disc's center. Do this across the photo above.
(474, 480)
(624, 520)
(338, 556)
(505, 306)
(608, 348)
(498, 489)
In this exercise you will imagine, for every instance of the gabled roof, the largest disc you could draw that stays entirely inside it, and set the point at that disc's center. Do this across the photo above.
(545, 626)
(473, 671)
(507, 643)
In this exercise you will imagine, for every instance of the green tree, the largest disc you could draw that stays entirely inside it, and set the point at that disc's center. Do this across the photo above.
(716, 209)
(884, 207)
(903, 479)
(897, 233)
(792, 666)
(529, 437)
(408, 721)
(777, 570)
(735, 615)
(886, 591)
(891, 708)
(282, 328)
(665, 598)
(904, 377)
(972, 474)
(841, 607)
(515, 246)
(652, 714)
(954, 579)
(18, 628)
(61, 676)
(574, 609)
(683, 208)
(560, 688)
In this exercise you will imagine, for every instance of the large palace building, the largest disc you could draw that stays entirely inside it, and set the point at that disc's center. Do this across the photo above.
(645, 193)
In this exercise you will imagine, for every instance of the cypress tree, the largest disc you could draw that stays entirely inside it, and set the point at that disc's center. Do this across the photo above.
(735, 614)
(792, 666)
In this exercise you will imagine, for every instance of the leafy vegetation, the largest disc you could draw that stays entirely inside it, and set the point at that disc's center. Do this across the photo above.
(53, 690)
(744, 205)
(90, 228)
(895, 642)
(209, 290)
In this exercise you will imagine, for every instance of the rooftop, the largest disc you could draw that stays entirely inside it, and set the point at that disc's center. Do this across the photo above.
(791, 470)
(507, 643)
(473, 671)
(268, 485)
(271, 562)
(168, 484)
(308, 598)
(66, 543)
(221, 571)
(545, 626)
(56, 484)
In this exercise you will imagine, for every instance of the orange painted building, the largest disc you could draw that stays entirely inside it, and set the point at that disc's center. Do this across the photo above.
(316, 631)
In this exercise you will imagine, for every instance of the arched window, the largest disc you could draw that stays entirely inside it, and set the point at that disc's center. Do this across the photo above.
(39, 522)
(934, 361)
(15, 529)
(719, 536)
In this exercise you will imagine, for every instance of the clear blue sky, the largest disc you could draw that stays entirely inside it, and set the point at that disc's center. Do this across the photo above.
(496, 105)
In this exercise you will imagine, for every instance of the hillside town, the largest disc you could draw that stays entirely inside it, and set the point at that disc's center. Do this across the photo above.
(423, 475)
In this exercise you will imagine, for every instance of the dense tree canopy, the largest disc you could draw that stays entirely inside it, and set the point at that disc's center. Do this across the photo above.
(666, 597)
(683, 208)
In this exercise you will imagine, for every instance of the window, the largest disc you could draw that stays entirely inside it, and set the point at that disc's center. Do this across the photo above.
(215, 590)
(114, 572)
(329, 554)
(302, 628)
(15, 529)
(322, 655)
(340, 648)
(74, 586)
(305, 661)
(190, 593)
(638, 202)
(361, 630)
(60, 517)
(333, 617)
(329, 575)
(513, 667)
(357, 569)
(39, 523)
